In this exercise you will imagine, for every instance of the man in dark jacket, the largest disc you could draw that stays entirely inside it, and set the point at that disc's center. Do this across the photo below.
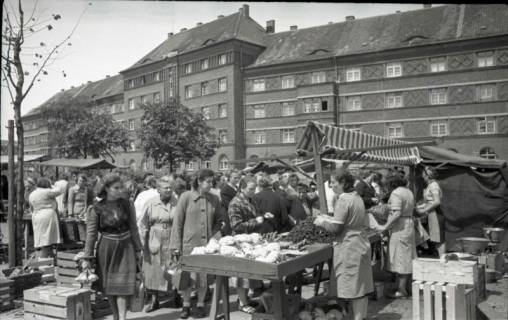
(227, 193)
(366, 190)
(268, 201)
(294, 204)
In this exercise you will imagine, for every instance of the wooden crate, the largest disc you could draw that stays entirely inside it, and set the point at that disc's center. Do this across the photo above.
(6, 294)
(443, 301)
(49, 302)
(47, 267)
(470, 273)
(67, 269)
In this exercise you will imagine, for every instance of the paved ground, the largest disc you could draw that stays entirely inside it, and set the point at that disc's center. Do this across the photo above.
(384, 309)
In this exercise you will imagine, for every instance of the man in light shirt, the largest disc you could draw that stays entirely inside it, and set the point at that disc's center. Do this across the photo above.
(143, 197)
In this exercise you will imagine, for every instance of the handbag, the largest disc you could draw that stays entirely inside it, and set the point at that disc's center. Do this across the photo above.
(137, 301)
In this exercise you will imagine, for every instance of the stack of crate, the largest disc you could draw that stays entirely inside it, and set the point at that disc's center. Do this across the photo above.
(450, 290)
(67, 269)
(49, 302)
(100, 305)
(6, 295)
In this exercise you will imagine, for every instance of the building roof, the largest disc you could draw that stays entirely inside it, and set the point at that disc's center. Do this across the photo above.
(236, 26)
(398, 30)
(103, 88)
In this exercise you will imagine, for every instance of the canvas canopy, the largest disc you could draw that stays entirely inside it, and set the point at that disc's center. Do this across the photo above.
(359, 146)
(26, 158)
(79, 163)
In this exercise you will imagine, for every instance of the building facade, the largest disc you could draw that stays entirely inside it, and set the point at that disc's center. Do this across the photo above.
(435, 73)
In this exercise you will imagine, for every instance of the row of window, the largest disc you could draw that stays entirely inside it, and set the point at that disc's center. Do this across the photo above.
(131, 102)
(204, 64)
(437, 64)
(437, 128)
(205, 88)
(289, 108)
(287, 82)
(222, 111)
(223, 164)
(144, 79)
(287, 136)
(392, 70)
(436, 97)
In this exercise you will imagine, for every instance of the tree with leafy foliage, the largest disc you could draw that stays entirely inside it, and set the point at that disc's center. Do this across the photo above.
(25, 65)
(171, 134)
(77, 130)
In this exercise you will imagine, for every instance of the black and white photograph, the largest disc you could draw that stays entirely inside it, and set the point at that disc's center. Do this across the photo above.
(168, 160)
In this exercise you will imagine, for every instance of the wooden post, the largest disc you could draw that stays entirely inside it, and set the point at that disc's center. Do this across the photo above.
(412, 179)
(323, 207)
(11, 215)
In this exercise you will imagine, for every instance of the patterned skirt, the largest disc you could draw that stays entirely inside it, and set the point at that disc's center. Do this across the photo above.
(116, 264)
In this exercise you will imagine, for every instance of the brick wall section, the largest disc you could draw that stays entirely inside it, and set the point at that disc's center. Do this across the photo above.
(414, 67)
(502, 57)
(502, 125)
(374, 128)
(415, 98)
(462, 127)
(373, 71)
(373, 101)
(462, 94)
(461, 61)
(417, 129)
(502, 90)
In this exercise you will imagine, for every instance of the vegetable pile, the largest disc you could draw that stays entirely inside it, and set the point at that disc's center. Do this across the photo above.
(306, 230)
(250, 246)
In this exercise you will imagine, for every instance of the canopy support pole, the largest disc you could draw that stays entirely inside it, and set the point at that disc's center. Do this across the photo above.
(323, 207)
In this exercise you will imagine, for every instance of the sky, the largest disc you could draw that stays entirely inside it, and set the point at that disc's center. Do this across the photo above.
(112, 35)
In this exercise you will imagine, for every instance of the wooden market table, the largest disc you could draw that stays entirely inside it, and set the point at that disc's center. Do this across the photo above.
(224, 267)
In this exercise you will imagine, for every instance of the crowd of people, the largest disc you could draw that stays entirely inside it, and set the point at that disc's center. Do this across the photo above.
(146, 222)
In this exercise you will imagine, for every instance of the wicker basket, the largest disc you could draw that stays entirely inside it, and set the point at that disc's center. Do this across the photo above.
(23, 281)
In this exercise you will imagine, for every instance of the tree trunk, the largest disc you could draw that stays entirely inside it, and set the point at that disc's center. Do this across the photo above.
(20, 183)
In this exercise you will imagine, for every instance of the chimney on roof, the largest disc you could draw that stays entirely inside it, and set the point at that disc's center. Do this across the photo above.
(270, 26)
(292, 28)
(72, 87)
(170, 34)
(62, 90)
(183, 29)
(330, 22)
(89, 81)
(220, 16)
(199, 24)
(427, 5)
(244, 10)
(398, 11)
(350, 18)
(107, 76)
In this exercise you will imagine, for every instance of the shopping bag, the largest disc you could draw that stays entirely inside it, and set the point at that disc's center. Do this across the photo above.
(137, 301)
(421, 235)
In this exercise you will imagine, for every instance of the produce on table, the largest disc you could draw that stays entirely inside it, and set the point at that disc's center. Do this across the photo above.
(251, 246)
(306, 230)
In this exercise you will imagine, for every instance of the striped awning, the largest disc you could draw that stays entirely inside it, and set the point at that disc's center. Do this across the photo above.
(341, 140)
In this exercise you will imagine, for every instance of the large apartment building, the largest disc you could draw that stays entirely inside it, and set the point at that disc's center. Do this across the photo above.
(416, 75)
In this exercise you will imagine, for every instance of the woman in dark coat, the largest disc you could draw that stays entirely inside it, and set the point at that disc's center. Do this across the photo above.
(118, 249)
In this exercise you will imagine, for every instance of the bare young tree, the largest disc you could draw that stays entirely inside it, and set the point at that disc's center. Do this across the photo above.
(23, 67)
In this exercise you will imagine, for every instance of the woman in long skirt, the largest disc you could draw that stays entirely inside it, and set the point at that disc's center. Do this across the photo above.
(118, 249)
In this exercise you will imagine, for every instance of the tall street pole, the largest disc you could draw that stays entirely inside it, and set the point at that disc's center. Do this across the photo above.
(11, 218)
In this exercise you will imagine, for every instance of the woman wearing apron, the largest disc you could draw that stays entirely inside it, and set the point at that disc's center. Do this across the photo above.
(432, 196)
(402, 247)
(351, 253)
